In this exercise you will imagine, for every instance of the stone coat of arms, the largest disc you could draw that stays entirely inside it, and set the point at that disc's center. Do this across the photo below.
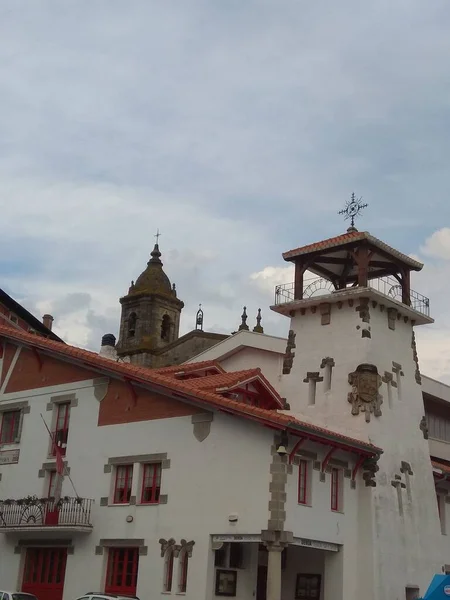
(364, 397)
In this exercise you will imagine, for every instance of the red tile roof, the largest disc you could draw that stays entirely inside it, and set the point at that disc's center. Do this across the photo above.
(146, 376)
(347, 238)
(190, 368)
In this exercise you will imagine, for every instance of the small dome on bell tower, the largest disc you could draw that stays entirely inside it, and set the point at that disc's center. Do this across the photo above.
(151, 312)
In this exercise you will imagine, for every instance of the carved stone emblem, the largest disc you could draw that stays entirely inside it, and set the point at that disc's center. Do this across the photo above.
(289, 355)
(364, 397)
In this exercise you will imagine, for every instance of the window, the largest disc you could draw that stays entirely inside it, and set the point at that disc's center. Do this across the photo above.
(168, 571)
(122, 571)
(13, 318)
(335, 489)
(183, 571)
(165, 328)
(61, 432)
(151, 483)
(122, 488)
(132, 324)
(303, 482)
(51, 484)
(10, 427)
(230, 556)
(438, 427)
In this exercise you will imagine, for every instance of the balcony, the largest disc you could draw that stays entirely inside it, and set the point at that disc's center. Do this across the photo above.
(44, 514)
(388, 286)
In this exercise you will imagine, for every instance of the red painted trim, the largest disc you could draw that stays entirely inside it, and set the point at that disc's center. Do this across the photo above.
(122, 562)
(358, 466)
(295, 448)
(326, 460)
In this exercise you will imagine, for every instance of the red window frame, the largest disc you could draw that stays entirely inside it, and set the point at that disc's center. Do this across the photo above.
(168, 571)
(151, 483)
(122, 571)
(335, 489)
(184, 564)
(61, 432)
(122, 484)
(9, 431)
(303, 482)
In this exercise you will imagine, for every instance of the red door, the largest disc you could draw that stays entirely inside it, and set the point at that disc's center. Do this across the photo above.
(121, 576)
(44, 573)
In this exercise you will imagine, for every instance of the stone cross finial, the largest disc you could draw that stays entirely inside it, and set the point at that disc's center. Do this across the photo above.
(243, 326)
(258, 327)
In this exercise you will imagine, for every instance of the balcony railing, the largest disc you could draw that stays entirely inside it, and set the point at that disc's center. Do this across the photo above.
(388, 286)
(45, 512)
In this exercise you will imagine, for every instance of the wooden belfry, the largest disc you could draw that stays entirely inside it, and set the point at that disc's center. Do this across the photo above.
(352, 260)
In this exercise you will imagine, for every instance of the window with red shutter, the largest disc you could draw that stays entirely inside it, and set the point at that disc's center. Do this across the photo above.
(303, 482)
(151, 483)
(122, 487)
(10, 426)
(335, 491)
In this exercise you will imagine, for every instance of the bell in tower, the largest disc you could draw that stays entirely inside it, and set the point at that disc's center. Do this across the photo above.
(150, 319)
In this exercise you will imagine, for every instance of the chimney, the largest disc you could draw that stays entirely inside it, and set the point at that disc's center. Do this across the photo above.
(48, 321)
(108, 348)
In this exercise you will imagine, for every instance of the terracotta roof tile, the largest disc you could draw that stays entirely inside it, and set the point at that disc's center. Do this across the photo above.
(189, 367)
(346, 238)
(223, 380)
(143, 375)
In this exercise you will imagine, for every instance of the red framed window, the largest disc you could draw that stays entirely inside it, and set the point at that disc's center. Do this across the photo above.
(303, 482)
(151, 483)
(10, 426)
(183, 571)
(335, 489)
(122, 487)
(168, 571)
(122, 571)
(61, 432)
(51, 484)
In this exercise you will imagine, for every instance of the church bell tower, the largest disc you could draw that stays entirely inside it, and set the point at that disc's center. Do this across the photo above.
(150, 318)
(351, 365)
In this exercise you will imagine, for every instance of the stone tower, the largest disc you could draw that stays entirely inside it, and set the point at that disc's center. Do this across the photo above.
(351, 365)
(150, 318)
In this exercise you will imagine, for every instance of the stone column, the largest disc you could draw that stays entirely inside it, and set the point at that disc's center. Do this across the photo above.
(275, 542)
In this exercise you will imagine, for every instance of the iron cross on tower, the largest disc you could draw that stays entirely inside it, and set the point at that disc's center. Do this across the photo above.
(157, 236)
(353, 209)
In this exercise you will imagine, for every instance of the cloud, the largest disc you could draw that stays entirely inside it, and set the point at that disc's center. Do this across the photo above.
(438, 244)
(237, 129)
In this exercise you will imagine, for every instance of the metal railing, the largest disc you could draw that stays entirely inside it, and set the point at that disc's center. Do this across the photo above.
(45, 512)
(388, 286)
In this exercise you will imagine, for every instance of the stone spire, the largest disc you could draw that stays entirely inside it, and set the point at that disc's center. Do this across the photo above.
(243, 326)
(258, 327)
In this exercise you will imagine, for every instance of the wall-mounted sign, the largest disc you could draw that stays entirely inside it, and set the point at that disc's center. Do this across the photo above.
(315, 544)
(245, 537)
(9, 457)
(251, 538)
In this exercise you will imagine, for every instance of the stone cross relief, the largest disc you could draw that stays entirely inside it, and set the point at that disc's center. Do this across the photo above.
(397, 482)
(312, 378)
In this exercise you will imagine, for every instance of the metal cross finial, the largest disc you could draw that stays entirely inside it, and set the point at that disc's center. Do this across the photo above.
(157, 236)
(353, 209)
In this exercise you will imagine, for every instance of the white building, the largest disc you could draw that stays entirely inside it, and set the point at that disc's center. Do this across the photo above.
(210, 479)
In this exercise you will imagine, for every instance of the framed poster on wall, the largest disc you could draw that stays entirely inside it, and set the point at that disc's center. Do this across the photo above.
(226, 581)
(307, 587)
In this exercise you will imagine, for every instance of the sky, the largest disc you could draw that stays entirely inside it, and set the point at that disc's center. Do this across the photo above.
(239, 129)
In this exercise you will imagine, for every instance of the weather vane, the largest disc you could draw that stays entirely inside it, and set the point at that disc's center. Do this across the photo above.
(157, 236)
(353, 209)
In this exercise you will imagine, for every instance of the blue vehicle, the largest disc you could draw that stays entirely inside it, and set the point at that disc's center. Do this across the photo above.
(439, 588)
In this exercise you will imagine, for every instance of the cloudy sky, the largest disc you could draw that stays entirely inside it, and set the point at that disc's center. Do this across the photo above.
(238, 128)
